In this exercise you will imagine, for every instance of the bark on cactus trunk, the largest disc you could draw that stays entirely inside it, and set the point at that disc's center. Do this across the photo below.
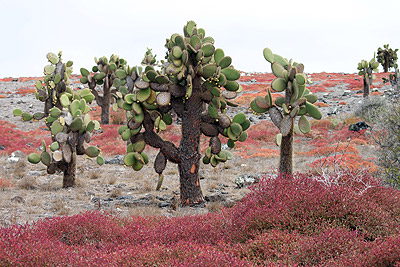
(286, 154)
(188, 165)
(386, 65)
(105, 105)
(69, 170)
(366, 86)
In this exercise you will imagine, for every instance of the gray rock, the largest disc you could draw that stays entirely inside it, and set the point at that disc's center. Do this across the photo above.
(164, 204)
(119, 159)
(245, 180)
(215, 198)
(18, 199)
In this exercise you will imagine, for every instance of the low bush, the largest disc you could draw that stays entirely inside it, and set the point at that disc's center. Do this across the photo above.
(282, 221)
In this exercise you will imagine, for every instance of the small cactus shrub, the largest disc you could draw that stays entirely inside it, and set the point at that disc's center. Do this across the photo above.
(387, 57)
(196, 83)
(366, 69)
(66, 116)
(297, 101)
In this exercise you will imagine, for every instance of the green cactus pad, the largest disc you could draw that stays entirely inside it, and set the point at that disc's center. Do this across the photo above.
(206, 160)
(304, 125)
(282, 61)
(195, 42)
(279, 84)
(231, 74)
(162, 79)
(212, 111)
(34, 158)
(243, 136)
(167, 119)
(45, 158)
(57, 78)
(64, 100)
(120, 73)
(100, 160)
(215, 91)
(53, 58)
(278, 70)
(151, 75)
(76, 124)
(301, 78)
(55, 112)
(177, 52)
(209, 70)
(231, 143)
(56, 127)
(239, 118)
(54, 146)
(84, 72)
(129, 159)
(262, 103)
(17, 112)
(256, 108)
(313, 111)
(137, 165)
(125, 135)
(268, 55)
(236, 129)
(208, 49)
(311, 98)
(225, 62)
(218, 55)
(99, 76)
(245, 125)
(232, 86)
(143, 94)
(139, 146)
(92, 151)
(49, 69)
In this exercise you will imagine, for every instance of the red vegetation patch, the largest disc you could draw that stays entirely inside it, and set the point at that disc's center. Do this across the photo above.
(13, 139)
(376, 93)
(3, 96)
(342, 103)
(300, 221)
(321, 104)
(4, 183)
(26, 90)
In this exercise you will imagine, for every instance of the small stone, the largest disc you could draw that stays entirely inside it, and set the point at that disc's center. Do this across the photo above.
(18, 199)
(164, 204)
(2, 147)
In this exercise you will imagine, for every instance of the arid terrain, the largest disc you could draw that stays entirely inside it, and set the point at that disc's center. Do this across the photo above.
(28, 193)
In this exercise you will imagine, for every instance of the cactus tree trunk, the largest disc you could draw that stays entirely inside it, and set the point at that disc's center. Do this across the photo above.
(105, 107)
(286, 154)
(69, 170)
(366, 85)
(188, 165)
(386, 65)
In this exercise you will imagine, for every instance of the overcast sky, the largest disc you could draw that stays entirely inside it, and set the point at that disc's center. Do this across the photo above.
(331, 36)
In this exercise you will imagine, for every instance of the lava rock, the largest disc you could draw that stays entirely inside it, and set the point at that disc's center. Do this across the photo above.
(359, 126)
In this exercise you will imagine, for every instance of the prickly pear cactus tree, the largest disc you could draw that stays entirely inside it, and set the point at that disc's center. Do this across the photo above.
(297, 102)
(66, 116)
(394, 80)
(196, 82)
(110, 80)
(387, 57)
(366, 70)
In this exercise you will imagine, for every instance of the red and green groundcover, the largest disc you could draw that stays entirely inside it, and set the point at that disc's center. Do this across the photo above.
(345, 218)
(283, 222)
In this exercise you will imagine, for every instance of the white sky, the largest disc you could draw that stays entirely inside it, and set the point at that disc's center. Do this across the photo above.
(331, 36)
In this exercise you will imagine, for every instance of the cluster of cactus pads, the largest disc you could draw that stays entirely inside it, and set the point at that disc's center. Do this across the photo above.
(66, 114)
(117, 80)
(387, 57)
(297, 102)
(366, 70)
(196, 84)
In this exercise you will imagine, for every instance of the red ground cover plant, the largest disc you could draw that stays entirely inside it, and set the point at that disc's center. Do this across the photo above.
(13, 139)
(294, 221)
(26, 90)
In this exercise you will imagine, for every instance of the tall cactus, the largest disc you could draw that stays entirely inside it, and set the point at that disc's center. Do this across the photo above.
(66, 116)
(298, 101)
(387, 57)
(116, 79)
(196, 82)
(365, 69)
